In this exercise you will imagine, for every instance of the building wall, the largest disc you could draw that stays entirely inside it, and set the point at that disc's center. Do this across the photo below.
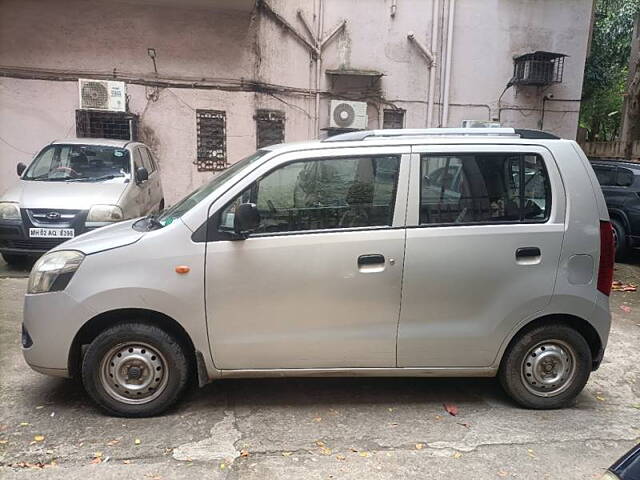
(219, 50)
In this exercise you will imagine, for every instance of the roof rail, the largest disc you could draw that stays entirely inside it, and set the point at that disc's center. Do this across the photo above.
(435, 132)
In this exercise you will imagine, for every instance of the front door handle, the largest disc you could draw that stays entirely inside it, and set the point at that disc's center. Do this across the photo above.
(373, 259)
(524, 252)
(372, 263)
(528, 256)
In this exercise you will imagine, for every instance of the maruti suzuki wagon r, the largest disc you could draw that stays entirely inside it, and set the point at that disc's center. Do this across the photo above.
(438, 252)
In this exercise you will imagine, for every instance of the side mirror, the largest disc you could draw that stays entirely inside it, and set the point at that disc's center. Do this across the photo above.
(20, 168)
(142, 175)
(246, 219)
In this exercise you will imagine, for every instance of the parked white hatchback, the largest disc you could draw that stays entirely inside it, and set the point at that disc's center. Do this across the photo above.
(473, 252)
(73, 186)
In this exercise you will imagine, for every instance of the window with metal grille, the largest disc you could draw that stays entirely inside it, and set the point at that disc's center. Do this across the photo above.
(212, 140)
(393, 118)
(269, 127)
(99, 124)
(538, 69)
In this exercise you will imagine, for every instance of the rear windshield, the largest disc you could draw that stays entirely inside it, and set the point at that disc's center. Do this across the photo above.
(195, 197)
(80, 163)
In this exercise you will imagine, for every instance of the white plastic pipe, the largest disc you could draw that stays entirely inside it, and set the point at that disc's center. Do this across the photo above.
(447, 75)
(432, 70)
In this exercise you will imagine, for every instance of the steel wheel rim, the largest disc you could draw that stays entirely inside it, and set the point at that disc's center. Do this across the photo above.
(134, 373)
(548, 368)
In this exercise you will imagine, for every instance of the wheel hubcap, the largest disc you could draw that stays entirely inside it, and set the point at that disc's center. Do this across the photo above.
(134, 373)
(548, 368)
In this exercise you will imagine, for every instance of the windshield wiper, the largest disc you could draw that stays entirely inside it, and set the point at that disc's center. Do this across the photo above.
(96, 179)
(153, 221)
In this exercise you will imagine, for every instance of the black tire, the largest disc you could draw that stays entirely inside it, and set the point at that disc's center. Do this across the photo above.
(143, 338)
(622, 243)
(15, 260)
(512, 369)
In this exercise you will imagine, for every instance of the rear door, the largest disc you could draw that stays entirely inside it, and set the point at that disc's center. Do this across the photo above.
(484, 234)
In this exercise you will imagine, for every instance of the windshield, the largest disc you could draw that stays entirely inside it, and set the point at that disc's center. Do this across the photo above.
(195, 197)
(80, 163)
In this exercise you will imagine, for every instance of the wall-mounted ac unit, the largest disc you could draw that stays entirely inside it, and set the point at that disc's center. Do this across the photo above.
(102, 95)
(479, 124)
(348, 115)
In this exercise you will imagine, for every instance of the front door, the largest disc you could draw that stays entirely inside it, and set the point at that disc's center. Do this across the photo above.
(484, 234)
(318, 285)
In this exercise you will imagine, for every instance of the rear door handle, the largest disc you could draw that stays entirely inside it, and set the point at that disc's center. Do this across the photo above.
(373, 259)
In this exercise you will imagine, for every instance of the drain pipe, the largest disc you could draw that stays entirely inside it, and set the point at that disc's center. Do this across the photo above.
(320, 25)
(432, 61)
(432, 70)
(447, 75)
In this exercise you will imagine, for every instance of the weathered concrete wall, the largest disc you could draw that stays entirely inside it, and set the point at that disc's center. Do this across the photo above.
(198, 39)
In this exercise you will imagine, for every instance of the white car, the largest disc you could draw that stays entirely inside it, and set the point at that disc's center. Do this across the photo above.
(343, 257)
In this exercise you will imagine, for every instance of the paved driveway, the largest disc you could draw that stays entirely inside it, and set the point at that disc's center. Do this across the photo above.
(320, 428)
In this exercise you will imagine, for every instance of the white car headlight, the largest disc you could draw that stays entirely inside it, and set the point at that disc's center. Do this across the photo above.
(105, 213)
(9, 211)
(53, 271)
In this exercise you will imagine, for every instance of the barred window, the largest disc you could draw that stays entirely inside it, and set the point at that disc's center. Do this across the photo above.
(393, 118)
(98, 124)
(269, 127)
(212, 140)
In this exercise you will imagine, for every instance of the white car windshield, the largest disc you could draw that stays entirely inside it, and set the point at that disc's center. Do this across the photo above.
(80, 163)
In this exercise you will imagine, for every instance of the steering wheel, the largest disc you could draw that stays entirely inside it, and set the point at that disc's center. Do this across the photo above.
(272, 208)
(67, 169)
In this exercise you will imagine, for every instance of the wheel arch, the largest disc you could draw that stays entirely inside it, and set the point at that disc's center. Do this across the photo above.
(582, 326)
(621, 216)
(96, 325)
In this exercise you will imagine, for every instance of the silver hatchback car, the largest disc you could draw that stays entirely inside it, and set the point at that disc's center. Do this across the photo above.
(446, 252)
(73, 186)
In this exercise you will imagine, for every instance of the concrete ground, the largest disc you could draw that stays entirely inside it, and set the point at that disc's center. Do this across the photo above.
(321, 428)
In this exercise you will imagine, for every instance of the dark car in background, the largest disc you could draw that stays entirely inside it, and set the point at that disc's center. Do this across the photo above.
(620, 182)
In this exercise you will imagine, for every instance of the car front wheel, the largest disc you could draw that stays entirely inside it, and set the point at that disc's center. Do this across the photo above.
(135, 369)
(546, 367)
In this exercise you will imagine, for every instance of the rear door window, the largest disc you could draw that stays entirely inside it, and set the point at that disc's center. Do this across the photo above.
(625, 177)
(606, 175)
(483, 188)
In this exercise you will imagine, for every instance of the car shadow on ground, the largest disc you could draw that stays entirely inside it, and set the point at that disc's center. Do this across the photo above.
(473, 394)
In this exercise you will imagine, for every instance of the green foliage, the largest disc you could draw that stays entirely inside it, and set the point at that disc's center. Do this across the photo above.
(606, 68)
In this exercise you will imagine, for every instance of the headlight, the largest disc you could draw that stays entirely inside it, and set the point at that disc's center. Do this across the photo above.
(105, 213)
(609, 476)
(9, 211)
(53, 271)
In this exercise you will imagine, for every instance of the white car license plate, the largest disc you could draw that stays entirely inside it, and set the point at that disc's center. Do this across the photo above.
(51, 232)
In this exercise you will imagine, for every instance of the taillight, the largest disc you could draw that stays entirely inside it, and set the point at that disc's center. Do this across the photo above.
(607, 257)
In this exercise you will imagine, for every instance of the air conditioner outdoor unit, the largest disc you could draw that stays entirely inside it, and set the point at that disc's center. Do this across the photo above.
(102, 95)
(479, 124)
(349, 115)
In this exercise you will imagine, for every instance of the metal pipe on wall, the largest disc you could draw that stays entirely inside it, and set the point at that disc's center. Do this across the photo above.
(447, 75)
(432, 70)
(320, 25)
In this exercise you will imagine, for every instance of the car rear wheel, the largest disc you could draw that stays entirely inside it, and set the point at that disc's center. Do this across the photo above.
(620, 238)
(546, 367)
(135, 369)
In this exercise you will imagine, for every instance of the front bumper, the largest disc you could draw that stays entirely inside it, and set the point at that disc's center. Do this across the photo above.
(14, 234)
(51, 322)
